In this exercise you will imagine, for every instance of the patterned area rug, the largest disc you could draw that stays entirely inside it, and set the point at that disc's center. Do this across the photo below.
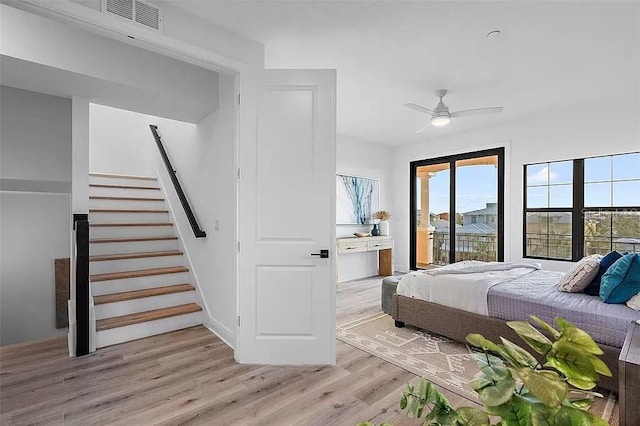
(440, 360)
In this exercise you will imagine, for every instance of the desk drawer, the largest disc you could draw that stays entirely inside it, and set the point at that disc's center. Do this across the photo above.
(352, 247)
(380, 245)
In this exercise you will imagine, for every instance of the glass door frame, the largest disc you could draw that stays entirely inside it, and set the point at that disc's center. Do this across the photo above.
(452, 159)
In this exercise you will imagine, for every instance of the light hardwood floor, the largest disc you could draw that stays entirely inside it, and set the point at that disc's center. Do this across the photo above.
(190, 377)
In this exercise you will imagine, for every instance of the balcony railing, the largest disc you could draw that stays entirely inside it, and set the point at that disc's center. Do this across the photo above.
(483, 247)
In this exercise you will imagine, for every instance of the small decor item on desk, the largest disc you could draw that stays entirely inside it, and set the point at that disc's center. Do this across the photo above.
(384, 217)
(361, 234)
(375, 231)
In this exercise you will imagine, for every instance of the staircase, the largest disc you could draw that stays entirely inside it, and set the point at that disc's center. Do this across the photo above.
(140, 281)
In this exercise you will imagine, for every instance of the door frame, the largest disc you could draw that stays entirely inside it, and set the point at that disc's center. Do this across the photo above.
(451, 159)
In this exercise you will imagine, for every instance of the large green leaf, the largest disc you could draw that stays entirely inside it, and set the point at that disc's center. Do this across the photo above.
(582, 384)
(555, 333)
(544, 385)
(582, 403)
(571, 360)
(579, 337)
(600, 366)
(514, 412)
(518, 353)
(469, 416)
(478, 340)
(486, 359)
(427, 391)
(494, 385)
(413, 405)
(541, 415)
(568, 416)
(538, 341)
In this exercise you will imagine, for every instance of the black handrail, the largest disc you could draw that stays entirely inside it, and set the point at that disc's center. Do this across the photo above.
(81, 226)
(197, 231)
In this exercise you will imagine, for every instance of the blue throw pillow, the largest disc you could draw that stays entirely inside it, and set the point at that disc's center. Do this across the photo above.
(622, 280)
(593, 288)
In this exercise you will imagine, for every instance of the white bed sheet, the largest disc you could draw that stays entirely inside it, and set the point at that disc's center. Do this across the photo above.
(462, 285)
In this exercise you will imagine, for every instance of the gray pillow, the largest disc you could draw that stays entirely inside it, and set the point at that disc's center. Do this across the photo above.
(580, 275)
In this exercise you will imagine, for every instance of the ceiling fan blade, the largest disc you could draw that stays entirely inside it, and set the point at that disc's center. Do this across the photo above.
(419, 108)
(477, 111)
(422, 129)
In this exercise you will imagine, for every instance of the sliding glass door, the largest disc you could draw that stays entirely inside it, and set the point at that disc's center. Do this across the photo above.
(457, 209)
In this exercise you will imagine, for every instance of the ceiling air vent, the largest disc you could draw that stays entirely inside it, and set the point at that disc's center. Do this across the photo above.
(136, 11)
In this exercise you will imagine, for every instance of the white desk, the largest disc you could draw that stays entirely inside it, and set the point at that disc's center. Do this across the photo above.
(383, 245)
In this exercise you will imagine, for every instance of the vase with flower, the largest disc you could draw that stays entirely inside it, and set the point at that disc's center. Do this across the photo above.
(383, 226)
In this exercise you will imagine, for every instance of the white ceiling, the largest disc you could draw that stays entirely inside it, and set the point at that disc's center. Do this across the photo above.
(389, 53)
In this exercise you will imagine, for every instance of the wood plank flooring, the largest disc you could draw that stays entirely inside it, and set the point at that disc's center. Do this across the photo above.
(190, 377)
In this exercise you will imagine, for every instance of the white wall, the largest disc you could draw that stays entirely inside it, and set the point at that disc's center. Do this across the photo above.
(375, 161)
(204, 157)
(35, 206)
(105, 70)
(573, 132)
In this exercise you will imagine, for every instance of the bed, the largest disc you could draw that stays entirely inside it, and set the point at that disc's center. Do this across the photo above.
(471, 296)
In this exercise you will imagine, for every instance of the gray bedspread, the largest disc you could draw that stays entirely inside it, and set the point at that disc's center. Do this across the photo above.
(536, 293)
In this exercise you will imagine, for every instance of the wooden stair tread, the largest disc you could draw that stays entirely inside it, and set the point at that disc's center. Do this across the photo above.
(139, 294)
(137, 274)
(105, 185)
(138, 317)
(105, 257)
(128, 211)
(117, 176)
(131, 239)
(115, 225)
(100, 197)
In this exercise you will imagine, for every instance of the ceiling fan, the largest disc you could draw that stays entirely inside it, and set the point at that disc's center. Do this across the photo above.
(440, 115)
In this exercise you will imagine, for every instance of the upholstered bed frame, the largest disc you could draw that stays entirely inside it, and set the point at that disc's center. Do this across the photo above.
(456, 324)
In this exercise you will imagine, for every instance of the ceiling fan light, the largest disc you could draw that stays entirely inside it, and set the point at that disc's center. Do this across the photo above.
(440, 120)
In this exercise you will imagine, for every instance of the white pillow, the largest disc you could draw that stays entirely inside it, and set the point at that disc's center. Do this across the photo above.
(634, 302)
(580, 275)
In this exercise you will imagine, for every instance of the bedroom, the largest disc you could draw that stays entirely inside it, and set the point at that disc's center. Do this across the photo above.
(566, 75)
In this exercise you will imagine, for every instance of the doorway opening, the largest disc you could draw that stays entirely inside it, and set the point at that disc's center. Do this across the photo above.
(457, 209)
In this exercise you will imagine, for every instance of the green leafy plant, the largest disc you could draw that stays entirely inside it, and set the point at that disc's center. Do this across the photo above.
(516, 387)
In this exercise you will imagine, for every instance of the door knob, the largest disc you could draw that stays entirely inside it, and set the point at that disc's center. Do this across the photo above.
(324, 254)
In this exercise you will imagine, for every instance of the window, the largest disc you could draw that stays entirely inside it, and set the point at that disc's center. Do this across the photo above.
(581, 207)
(451, 200)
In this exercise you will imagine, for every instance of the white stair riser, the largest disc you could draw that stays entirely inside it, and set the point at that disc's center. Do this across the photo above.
(126, 204)
(99, 217)
(106, 266)
(99, 288)
(146, 329)
(130, 231)
(123, 192)
(121, 181)
(116, 309)
(96, 249)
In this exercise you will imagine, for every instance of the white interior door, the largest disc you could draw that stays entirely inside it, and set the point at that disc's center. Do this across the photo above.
(286, 152)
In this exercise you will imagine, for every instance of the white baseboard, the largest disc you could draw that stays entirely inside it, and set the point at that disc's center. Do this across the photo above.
(226, 335)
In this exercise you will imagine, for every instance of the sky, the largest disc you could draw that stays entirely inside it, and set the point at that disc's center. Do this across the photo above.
(476, 186)
(609, 181)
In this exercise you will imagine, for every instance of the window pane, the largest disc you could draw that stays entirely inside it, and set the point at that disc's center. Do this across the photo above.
(561, 195)
(536, 245)
(626, 231)
(597, 233)
(597, 169)
(537, 223)
(549, 235)
(561, 172)
(626, 193)
(597, 194)
(560, 235)
(432, 214)
(537, 174)
(537, 196)
(626, 166)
